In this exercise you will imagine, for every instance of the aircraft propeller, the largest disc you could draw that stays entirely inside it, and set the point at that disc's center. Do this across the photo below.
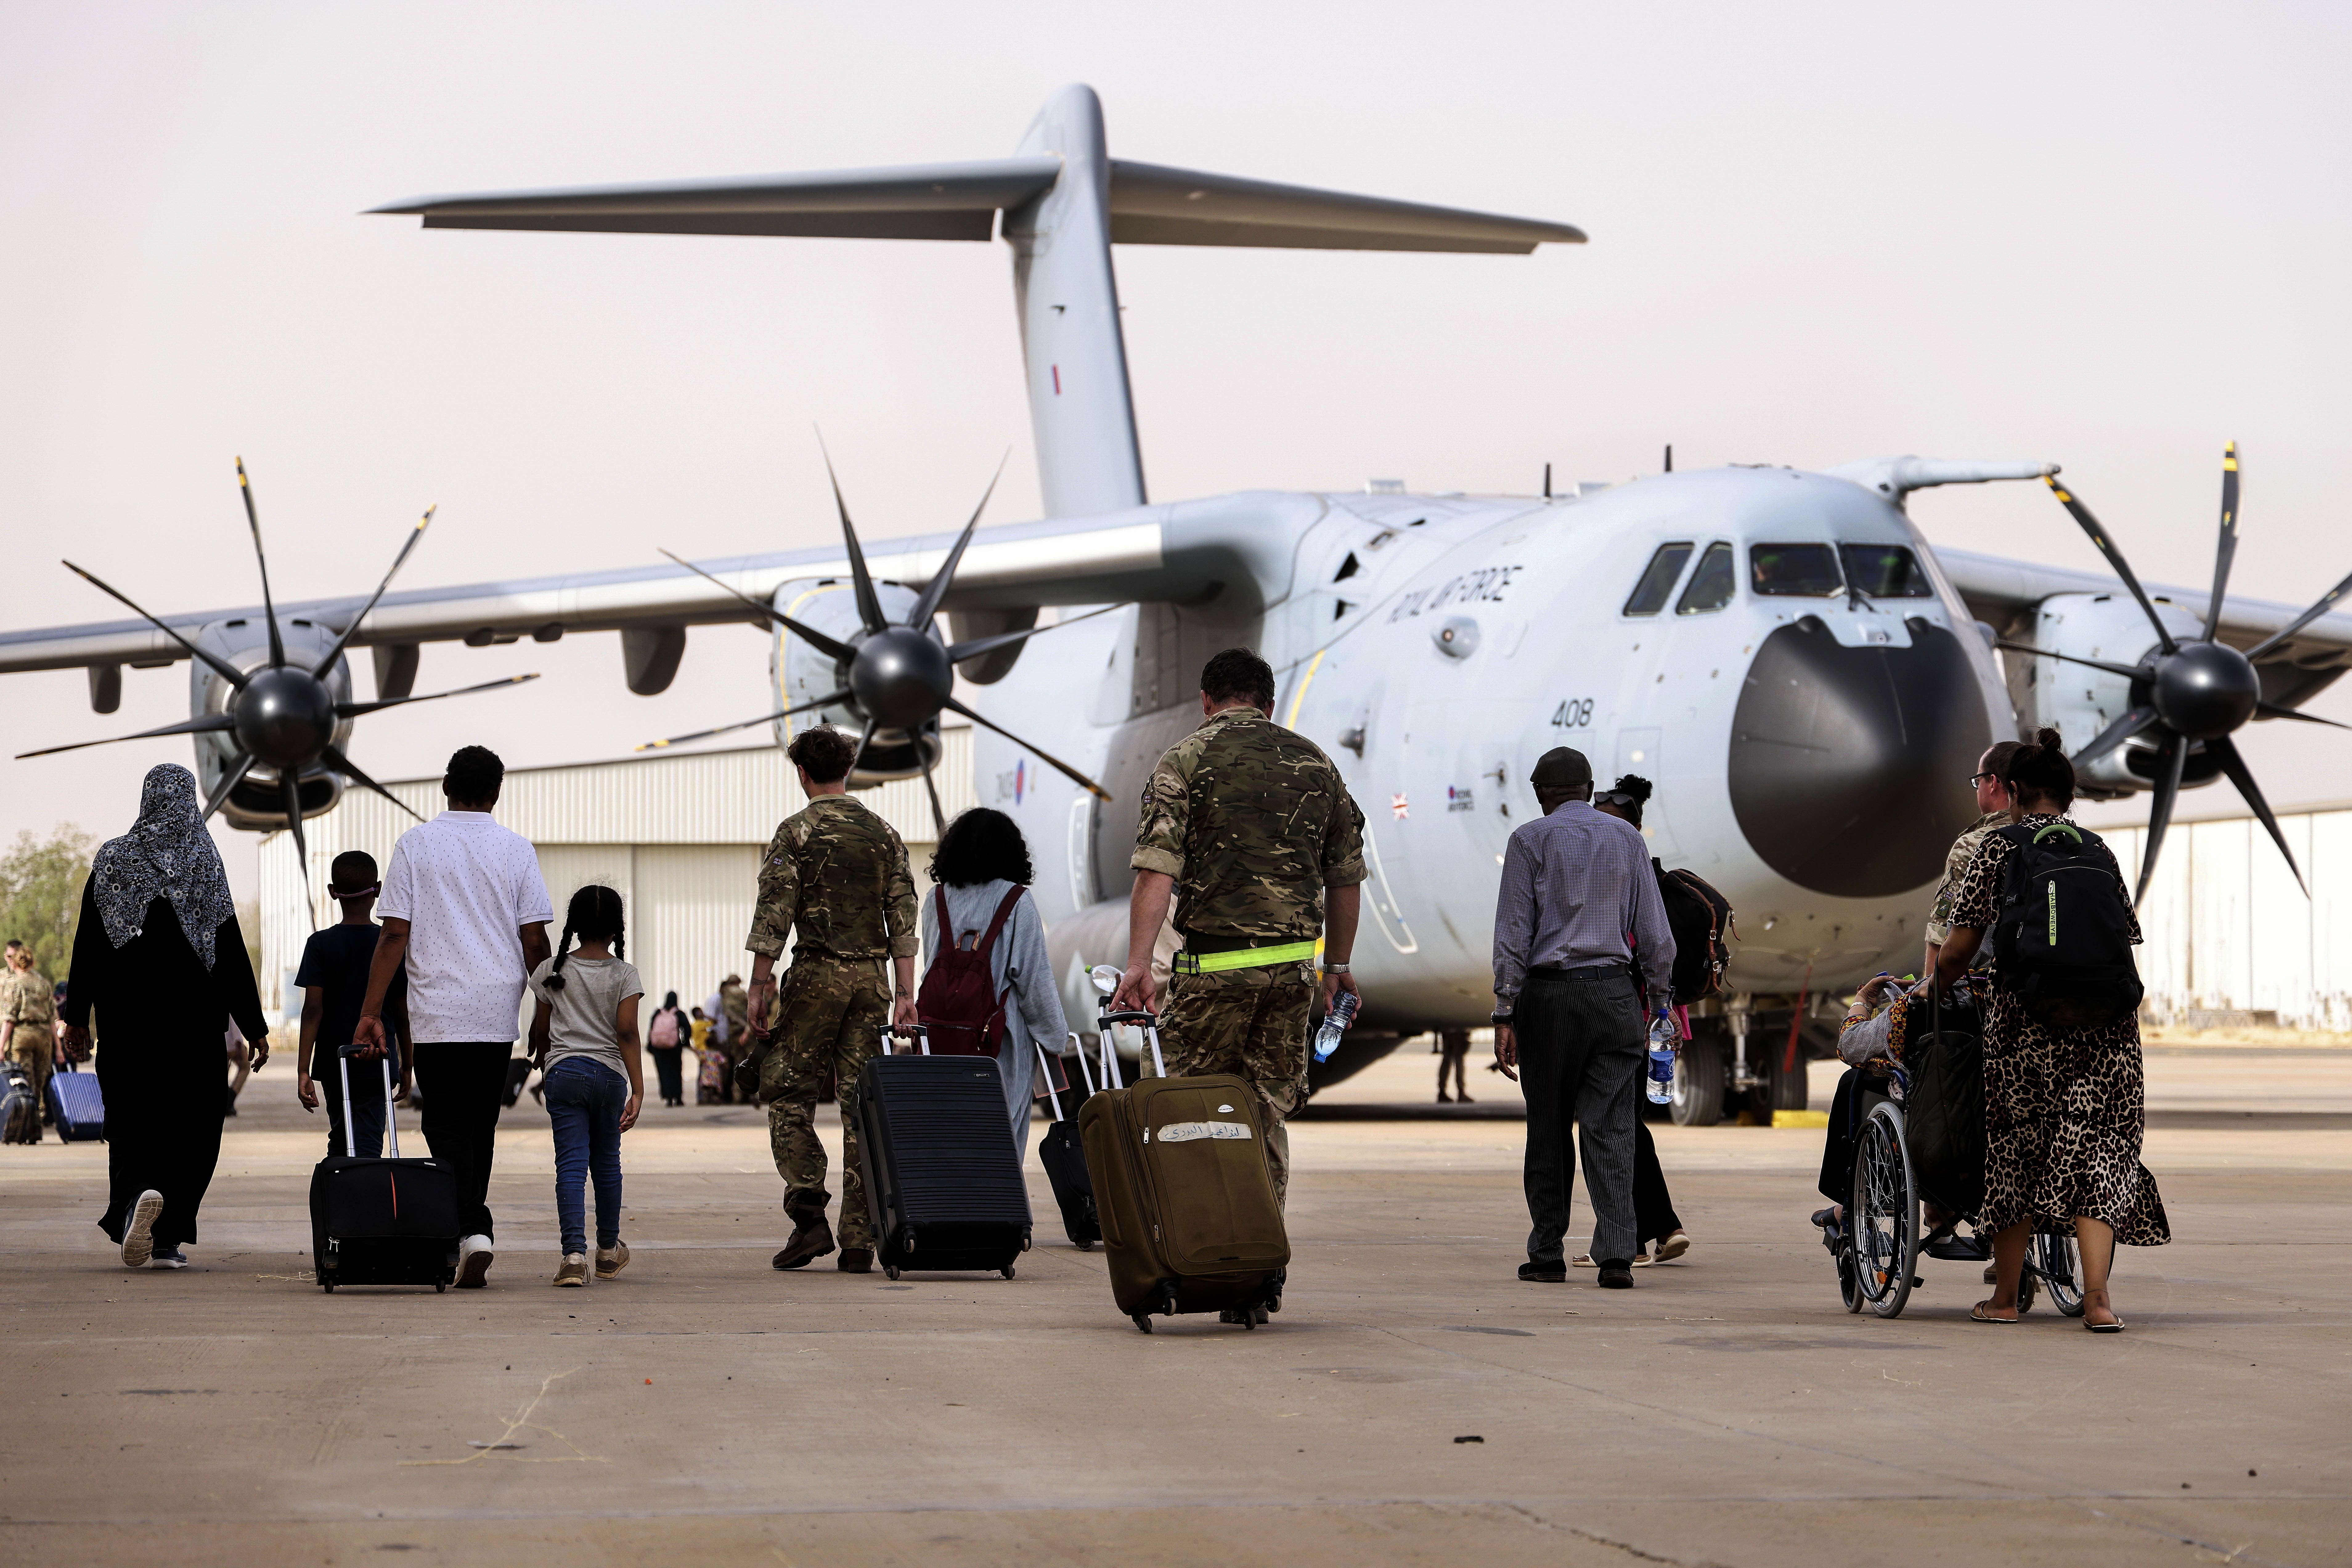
(283, 714)
(897, 675)
(2194, 693)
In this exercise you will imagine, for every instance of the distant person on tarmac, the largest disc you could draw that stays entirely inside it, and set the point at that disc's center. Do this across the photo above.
(335, 979)
(836, 880)
(465, 910)
(29, 1015)
(1577, 885)
(161, 958)
(664, 1040)
(1251, 829)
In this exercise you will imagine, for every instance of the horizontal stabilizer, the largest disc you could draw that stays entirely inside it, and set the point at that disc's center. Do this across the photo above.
(1149, 205)
(921, 201)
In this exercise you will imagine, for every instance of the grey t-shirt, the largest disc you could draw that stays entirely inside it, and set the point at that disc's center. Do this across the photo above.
(584, 1018)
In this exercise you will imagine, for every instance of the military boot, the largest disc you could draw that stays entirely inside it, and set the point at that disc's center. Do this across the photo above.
(812, 1235)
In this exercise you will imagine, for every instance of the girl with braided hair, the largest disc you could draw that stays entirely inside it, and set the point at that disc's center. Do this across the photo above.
(584, 1035)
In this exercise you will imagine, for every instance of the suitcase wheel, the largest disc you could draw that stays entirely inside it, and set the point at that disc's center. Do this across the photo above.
(439, 1286)
(1143, 1321)
(1006, 1271)
(327, 1286)
(890, 1269)
(1250, 1321)
(1024, 1241)
(1086, 1247)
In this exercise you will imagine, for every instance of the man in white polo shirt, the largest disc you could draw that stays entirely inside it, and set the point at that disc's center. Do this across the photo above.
(464, 908)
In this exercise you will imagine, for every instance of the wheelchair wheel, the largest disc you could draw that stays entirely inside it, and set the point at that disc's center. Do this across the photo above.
(2054, 1256)
(1884, 1217)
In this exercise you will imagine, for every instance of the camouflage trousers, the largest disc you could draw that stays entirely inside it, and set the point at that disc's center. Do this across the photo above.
(1251, 1024)
(29, 1048)
(832, 1013)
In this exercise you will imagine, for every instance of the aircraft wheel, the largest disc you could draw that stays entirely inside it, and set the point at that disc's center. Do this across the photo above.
(1699, 1074)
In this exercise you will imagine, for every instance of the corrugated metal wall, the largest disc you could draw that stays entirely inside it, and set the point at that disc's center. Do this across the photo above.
(2228, 929)
(679, 835)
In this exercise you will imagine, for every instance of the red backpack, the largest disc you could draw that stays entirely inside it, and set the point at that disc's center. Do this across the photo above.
(959, 1003)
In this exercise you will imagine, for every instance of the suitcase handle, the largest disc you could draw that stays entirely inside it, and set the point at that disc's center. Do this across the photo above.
(1047, 1067)
(1151, 1028)
(343, 1055)
(890, 1044)
(1078, 1050)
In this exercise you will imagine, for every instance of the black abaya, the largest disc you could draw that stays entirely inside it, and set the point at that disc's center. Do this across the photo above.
(160, 1063)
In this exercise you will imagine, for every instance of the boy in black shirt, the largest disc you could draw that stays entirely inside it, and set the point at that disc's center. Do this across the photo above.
(334, 980)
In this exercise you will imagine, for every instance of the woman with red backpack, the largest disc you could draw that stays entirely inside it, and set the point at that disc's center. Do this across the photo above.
(988, 987)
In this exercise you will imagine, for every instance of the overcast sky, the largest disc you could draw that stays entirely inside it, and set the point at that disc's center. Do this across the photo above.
(2109, 237)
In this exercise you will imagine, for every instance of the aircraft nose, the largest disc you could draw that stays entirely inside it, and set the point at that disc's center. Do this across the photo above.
(1848, 765)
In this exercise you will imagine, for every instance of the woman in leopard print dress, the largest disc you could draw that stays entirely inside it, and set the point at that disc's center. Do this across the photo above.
(2063, 1109)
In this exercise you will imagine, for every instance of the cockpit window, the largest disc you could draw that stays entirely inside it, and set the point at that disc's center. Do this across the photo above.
(1658, 579)
(1795, 571)
(1886, 572)
(1712, 584)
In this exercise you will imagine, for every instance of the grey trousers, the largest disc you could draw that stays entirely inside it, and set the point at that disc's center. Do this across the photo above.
(1580, 1042)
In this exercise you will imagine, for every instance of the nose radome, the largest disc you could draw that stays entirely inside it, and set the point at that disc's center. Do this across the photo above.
(1848, 765)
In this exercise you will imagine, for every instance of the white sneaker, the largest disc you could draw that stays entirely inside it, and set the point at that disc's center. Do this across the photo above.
(139, 1236)
(475, 1255)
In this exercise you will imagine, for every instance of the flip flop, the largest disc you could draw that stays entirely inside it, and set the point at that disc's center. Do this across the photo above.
(1979, 1314)
(2114, 1327)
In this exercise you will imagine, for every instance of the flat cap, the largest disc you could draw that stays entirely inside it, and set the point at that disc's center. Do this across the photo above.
(1559, 768)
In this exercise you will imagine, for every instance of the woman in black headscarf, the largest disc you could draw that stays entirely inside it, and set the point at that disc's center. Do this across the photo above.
(159, 954)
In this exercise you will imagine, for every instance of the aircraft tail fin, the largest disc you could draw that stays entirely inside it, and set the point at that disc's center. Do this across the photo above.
(1064, 202)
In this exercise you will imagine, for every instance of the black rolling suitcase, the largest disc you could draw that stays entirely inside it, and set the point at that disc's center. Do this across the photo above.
(382, 1222)
(942, 1182)
(1064, 1153)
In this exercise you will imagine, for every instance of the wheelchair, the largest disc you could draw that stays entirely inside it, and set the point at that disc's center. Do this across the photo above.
(1878, 1245)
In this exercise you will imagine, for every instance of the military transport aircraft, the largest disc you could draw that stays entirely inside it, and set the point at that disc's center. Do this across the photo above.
(1806, 682)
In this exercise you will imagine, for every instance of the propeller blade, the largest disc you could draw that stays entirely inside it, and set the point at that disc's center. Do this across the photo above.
(289, 790)
(351, 629)
(2227, 550)
(865, 738)
(2261, 710)
(353, 709)
(269, 610)
(826, 701)
(2171, 756)
(2115, 735)
(2136, 672)
(1046, 757)
(2082, 514)
(221, 666)
(229, 781)
(937, 588)
(959, 652)
(869, 605)
(2242, 777)
(2292, 627)
(342, 764)
(938, 818)
(832, 647)
(210, 721)
(767, 614)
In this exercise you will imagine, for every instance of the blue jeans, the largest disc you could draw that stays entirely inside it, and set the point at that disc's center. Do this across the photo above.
(584, 1100)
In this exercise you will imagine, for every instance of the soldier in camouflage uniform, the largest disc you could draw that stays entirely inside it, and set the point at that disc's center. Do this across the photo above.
(1994, 801)
(28, 1016)
(837, 873)
(1253, 830)
(737, 1006)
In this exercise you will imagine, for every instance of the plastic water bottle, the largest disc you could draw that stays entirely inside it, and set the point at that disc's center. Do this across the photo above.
(1665, 1036)
(1335, 1024)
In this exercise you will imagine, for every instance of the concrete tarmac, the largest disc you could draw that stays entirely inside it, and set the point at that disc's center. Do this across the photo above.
(705, 1409)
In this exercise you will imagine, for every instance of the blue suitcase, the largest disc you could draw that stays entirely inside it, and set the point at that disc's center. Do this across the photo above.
(79, 1106)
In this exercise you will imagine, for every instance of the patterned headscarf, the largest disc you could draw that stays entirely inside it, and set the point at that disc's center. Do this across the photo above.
(168, 851)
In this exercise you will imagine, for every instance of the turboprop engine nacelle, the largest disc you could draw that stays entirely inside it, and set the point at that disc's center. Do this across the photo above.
(800, 673)
(2079, 702)
(257, 803)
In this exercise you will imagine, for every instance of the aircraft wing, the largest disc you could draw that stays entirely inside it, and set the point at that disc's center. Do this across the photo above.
(1182, 554)
(2003, 593)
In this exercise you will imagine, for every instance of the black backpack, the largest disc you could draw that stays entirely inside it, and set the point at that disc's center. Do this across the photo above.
(2062, 939)
(20, 1111)
(1700, 919)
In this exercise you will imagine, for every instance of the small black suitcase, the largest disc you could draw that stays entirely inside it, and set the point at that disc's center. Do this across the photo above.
(942, 1182)
(382, 1222)
(1064, 1153)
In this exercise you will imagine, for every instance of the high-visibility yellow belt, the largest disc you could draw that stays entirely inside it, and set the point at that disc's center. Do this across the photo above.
(1243, 958)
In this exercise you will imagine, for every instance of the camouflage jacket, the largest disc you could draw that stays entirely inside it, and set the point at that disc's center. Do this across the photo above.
(27, 998)
(1963, 849)
(736, 1003)
(839, 872)
(1254, 822)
